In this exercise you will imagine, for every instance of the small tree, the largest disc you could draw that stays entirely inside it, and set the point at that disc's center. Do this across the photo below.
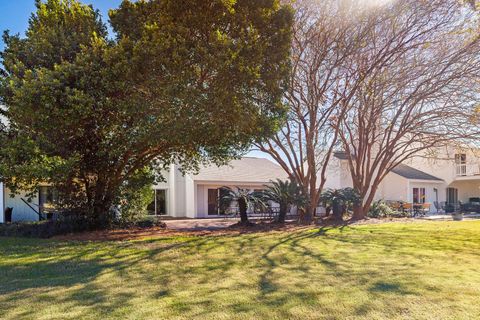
(244, 198)
(339, 200)
(285, 193)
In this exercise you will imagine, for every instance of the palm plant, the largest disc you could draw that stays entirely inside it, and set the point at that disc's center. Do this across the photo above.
(284, 193)
(244, 198)
(339, 199)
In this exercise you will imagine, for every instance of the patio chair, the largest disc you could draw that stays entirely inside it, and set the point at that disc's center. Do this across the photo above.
(407, 207)
(8, 215)
(437, 206)
(443, 205)
(459, 206)
(425, 208)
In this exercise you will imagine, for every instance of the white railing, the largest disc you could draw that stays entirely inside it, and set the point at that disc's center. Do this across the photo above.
(469, 169)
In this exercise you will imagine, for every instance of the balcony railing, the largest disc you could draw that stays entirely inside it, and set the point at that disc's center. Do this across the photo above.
(469, 169)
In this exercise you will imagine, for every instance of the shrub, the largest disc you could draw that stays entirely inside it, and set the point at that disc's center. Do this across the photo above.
(339, 200)
(68, 224)
(46, 229)
(134, 198)
(141, 222)
(380, 209)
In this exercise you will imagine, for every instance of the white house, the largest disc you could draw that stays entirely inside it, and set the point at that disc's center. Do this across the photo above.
(196, 196)
(450, 176)
(190, 195)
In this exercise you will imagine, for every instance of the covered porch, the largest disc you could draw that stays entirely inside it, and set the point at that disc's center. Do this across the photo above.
(464, 194)
(209, 195)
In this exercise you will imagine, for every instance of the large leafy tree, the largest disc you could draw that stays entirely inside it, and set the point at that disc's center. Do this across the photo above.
(187, 81)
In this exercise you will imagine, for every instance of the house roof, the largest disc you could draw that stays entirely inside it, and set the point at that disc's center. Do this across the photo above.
(413, 174)
(402, 170)
(247, 169)
(342, 155)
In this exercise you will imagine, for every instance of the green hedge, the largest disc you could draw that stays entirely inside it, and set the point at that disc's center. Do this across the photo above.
(67, 225)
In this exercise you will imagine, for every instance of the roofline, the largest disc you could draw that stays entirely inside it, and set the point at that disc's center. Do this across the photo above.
(438, 180)
(426, 181)
(217, 182)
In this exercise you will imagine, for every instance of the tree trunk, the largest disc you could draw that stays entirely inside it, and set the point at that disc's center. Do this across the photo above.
(306, 216)
(100, 217)
(327, 211)
(282, 214)
(242, 207)
(358, 212)
(337, 211)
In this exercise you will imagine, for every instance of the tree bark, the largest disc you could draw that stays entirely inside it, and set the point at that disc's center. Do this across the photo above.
(282, 214)
(337, 211)
(306, 216)
(242, 206)
(358, 212)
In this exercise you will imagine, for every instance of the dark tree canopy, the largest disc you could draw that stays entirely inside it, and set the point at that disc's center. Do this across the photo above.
(187, 81)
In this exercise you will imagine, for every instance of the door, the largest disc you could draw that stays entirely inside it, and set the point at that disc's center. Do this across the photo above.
(212, 201)
(452, 195)
(158, 206)
(161, 198)
(418, 195)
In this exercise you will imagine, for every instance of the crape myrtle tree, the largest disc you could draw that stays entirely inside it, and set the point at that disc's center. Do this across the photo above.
(327, 35)
(187, 81)
(422, 95)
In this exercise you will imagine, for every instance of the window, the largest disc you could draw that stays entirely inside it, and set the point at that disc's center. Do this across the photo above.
(418, 195)
(215, 204)
(460, 158)
(47, 198)
(158, 206)
(461, 164)
(452, 195)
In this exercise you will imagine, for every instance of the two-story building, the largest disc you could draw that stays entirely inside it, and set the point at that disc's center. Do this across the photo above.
(450, 175)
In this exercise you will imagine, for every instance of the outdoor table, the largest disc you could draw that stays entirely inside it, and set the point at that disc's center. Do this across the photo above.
(417, 209)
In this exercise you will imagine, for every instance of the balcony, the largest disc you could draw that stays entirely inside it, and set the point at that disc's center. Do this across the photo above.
(467, 170)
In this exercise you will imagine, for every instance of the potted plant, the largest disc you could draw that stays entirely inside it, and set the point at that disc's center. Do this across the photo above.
(457, 216)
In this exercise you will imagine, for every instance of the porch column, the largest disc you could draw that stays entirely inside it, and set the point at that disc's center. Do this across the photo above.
(190, 204)
(172, 208)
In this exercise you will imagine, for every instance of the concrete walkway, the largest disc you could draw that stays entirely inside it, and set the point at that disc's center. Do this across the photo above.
(200, 224)
(448, 217)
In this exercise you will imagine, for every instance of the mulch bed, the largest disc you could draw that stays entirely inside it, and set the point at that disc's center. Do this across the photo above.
(140, 233)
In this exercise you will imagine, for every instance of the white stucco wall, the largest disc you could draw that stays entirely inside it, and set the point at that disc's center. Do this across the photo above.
(442, 167)
(394, 187)
(333, 174)
(21, 211)
(338, 175)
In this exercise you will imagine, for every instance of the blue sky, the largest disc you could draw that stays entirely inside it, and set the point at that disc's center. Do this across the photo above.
(14, 15)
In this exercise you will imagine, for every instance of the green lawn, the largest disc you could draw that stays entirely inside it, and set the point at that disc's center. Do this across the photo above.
(427, 270)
